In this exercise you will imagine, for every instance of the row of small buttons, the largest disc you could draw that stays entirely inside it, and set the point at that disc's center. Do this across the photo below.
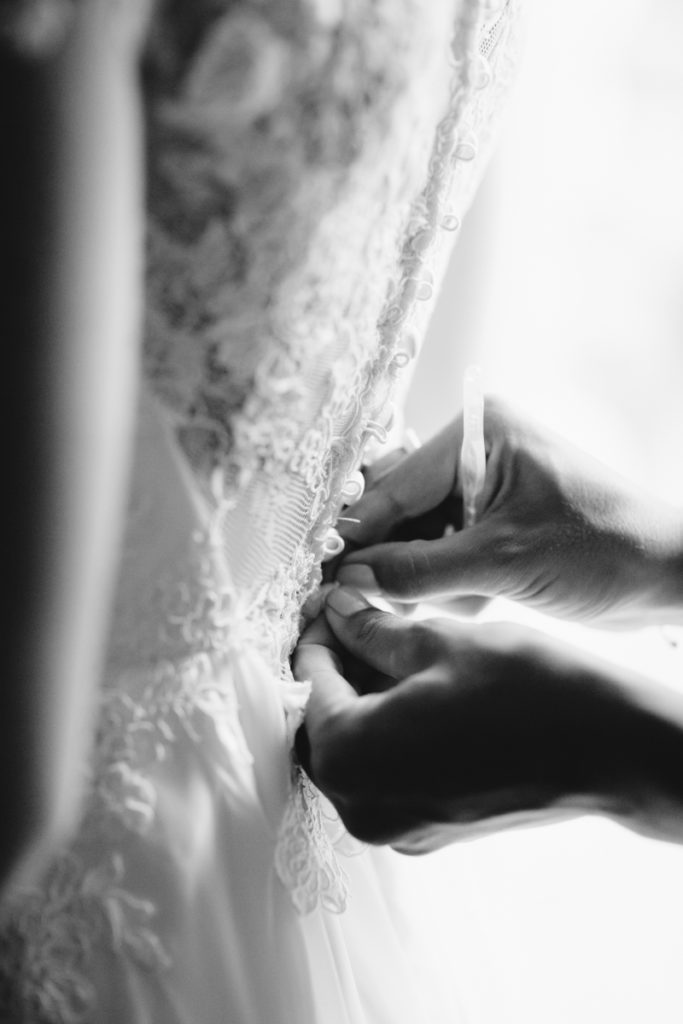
(465, 151)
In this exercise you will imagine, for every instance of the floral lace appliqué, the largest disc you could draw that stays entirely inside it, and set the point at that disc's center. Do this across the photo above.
(305, 858)
(297, 233)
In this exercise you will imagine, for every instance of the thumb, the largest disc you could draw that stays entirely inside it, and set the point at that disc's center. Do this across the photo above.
(468, 562)
(409, 487)
(390, 644)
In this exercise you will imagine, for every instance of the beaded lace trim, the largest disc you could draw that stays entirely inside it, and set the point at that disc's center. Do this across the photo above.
(270, 186)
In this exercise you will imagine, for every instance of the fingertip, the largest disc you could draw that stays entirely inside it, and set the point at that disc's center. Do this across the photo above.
(367, 520)
(317, 648)
(345, 601)
(316, 632)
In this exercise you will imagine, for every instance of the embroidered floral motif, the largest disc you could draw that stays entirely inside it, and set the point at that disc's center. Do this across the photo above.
(45, 944)
(305, 859)
(297, 233)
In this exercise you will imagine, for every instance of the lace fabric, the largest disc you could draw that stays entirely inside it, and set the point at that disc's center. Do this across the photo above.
(330, 144)
(309, 166)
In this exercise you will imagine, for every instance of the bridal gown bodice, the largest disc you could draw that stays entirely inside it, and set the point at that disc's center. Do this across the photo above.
(309, 162)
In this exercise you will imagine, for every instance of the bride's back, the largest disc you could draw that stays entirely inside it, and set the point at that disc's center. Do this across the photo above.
(288, 145)
(308, 161)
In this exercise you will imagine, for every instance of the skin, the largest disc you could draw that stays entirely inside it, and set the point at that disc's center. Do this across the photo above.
(426, 732)
(72, 205)
(556, 530)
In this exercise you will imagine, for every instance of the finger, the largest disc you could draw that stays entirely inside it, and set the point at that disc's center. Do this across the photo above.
(471, 562)
(410, 442)
(317, 634)
(313, 605)
(375, 470)
(391, 645)
(411, 487)
(466, 607)
(362, 677)
(317, 661)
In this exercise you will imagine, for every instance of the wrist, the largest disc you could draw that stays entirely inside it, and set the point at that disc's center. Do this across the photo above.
(579, 720)
(614, 739)
(636, 742)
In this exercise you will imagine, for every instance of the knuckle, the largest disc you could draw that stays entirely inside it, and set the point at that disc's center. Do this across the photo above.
(369, 628)
(410, 570)
(508, 544)
(417, 566)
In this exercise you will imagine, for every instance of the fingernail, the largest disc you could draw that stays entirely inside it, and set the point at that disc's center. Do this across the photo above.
(345, 602)
(360, 576)
(314, 605)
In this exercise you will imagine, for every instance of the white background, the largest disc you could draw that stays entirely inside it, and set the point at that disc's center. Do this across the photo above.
(567, 287)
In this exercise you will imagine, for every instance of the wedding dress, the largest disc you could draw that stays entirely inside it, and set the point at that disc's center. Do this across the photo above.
(309, 163)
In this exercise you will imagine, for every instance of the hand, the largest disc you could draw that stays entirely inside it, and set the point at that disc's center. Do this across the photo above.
(556, 530)
(425, 732)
